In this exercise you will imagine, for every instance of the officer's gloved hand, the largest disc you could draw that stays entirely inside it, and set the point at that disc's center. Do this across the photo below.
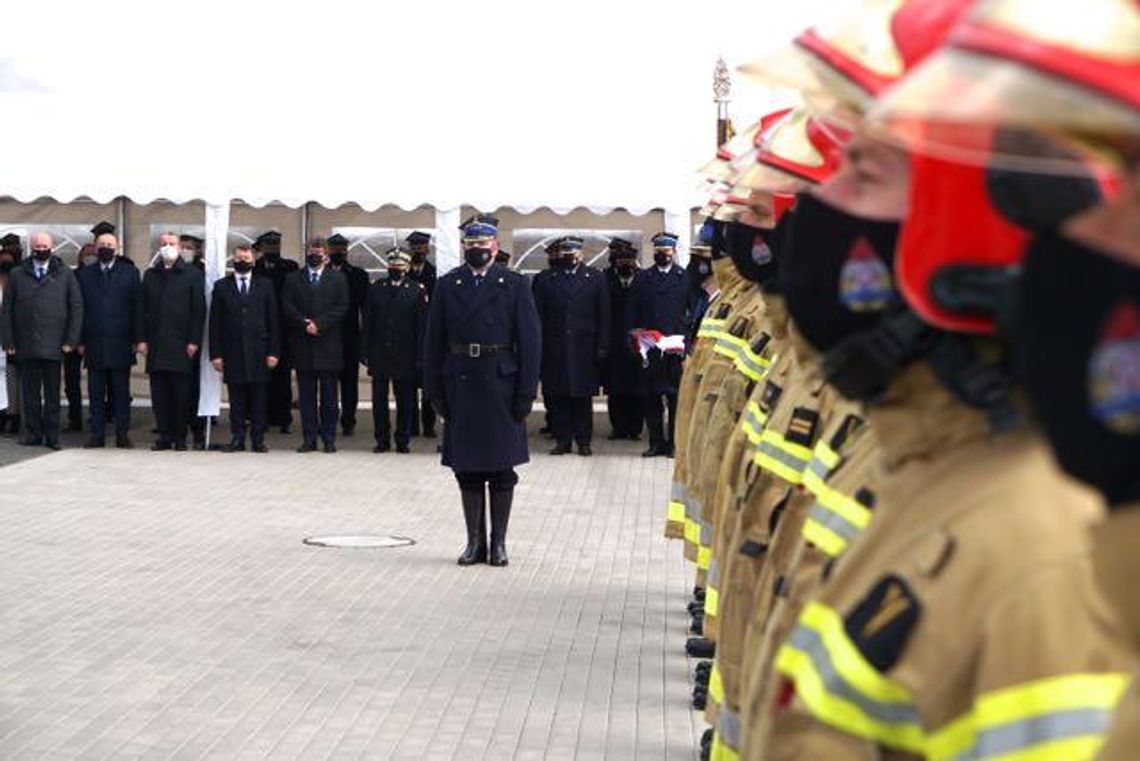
(521, 407)
(440, 407)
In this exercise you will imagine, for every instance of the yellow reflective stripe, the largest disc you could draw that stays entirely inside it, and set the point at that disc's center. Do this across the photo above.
(728, 345)
(710, 327)
(824, 459)
(781, 457)
(823, 538)
(752, 422)
(1058, 718)
(692, 531)
(712, 601)
(716, 684)
(835, 520)
(676, 512)
(753, 366)
(842, 689)
(704, 554)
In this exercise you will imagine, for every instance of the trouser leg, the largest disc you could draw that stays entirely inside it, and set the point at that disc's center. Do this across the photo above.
(179, 406)
(349, 379)
(381, 420)
(72, 371)
(160, 402)
(328, 382)
(582, 411)
(405, 393)
(119, 381)
(51, 386)
(561, 420)
(307, 395)
(97, 381)
(239, 409)
(257, 395)
(654, 419)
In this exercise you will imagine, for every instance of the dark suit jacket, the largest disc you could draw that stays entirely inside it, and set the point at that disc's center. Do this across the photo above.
(575, 312)
(326, 304)
(623, 368)
(244, 331)
(174, 315)
(357, 280)
(394, 319)
(277, 270)
(40, 316)
(112, 315)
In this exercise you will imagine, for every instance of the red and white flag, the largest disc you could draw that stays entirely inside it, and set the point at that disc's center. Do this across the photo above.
(655, 339)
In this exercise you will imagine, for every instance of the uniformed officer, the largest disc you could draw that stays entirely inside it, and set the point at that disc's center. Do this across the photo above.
(658, 303)
(270, 264)
(423, 272)
(191, 248)
(621, 376)
(394, 316)
(574, 307)
(482, 353)
(349, 377)
(551, 249)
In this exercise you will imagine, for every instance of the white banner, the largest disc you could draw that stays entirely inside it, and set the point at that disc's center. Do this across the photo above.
(447, 253)
(217, 228)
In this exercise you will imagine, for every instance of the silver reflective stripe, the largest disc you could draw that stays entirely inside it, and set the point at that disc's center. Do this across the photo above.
(690, 509)
(808, 641)
(745, 358)
(706, 533)
(793, 462)
(677, 492)
(728, 728)
(834, 522)
(1024, 734)
(714, 573)
(818, 467)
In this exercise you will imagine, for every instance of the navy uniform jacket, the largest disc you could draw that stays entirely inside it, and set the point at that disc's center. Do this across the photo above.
(481, 433)
(574, 308)
(244, 331)
(357, 280)
(174, 315)
(659, 303)
(425, 277)
(394, 318)
(277, 270)
(326, 304)
(112, 315)
(623, 367)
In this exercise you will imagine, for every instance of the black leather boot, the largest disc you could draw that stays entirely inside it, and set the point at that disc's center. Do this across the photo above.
(475, 515)
(500, 516)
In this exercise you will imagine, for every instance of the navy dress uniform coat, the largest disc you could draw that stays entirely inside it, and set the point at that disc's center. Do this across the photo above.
(244, 330)
(482, 434)
(574, 308)
(174, 315)
(622, 375)
(394, 321)
(325, 303)
(112, 315)
(659, 302)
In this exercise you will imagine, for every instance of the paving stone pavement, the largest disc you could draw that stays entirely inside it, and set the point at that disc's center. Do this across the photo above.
(162, 605)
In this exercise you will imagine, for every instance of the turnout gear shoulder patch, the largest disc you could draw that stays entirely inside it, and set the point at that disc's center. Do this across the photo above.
(803, 426)
(771, 397)
(723, 311)
(760, 343)
(881, 624)
(850, 424)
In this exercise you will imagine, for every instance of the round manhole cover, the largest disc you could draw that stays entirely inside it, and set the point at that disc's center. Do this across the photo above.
(359, 541)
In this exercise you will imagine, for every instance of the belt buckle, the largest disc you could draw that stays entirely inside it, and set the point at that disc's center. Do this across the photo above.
(474, 350)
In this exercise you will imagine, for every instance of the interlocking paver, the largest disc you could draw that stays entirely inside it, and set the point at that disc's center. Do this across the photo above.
(163, 606)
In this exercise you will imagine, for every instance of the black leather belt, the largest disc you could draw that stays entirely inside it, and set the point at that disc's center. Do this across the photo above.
(481, 350)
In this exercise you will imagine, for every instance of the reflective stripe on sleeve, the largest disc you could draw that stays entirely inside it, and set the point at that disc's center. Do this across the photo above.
(779, 456)
(834, 521)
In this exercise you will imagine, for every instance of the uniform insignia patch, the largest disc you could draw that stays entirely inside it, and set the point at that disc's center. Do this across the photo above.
(803, 425)
(753, 549)
(881, 624)
(770, 397)
(865, 282)
(723, 311)
(850, 424)
(1114, 372)
(761, 343)
(761, 253)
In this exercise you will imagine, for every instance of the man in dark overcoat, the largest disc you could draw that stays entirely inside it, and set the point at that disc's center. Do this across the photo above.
(625, 397)
(272, 265)
(349, 376)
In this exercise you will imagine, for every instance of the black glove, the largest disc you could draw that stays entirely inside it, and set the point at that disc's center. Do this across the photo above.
(440, 407)
(521, 407)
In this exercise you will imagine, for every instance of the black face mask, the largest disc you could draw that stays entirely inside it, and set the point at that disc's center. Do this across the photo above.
(272, 256)
(625, 269)
(243, 267)
(395, 276)
(315, 260)
(338, 258)
(419, 258)
(751, 250)
(838, 275)
(105, 254)
(662, 260)
(41, 255)
(477, 256)
(1079, 355)
(1040, 201)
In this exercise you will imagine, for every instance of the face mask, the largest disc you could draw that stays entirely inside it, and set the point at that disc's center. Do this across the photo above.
(837, 276)
(272, 256)
(1079, 354)
(338, 259)
(1040, 201)
(750, 249)
(168, 253)
(662, 259)
(242, 267)
(477, 256)
(316, 261)
(105, 254)
(419, 258)
(42, 254)
(625, 269)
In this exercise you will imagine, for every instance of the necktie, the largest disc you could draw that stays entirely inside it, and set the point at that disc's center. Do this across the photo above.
(478, 280)
(313, 278)
(244, 287)
(39, 273)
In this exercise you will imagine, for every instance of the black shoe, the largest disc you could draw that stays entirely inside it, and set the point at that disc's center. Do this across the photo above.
(122, 441)
(703, 670)
(669, 450)
(259, 447)
(330, 447)
(94, 443)
(381, 448)
(308, 446)
(199, 445)
(403, 449)
(700, 702)
(180, 446)
(699, 647)
(699, 593)
(560, 449)
(161, 446)
(429, 434)
(349, 430)
(706, 744)
(32, 441)
(475, 517)
(695, 606)
(237, 445)
(584, 450)
(500, 516)
(697, 627)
